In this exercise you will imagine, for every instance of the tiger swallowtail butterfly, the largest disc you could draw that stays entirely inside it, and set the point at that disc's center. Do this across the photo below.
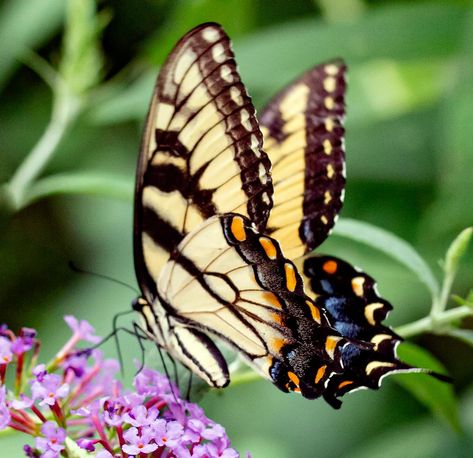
(224, 202)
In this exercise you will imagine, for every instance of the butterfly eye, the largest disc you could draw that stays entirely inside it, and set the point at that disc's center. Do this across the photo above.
(138, 304)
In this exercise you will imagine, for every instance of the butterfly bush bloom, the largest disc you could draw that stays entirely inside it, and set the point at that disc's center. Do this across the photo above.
(73, 406)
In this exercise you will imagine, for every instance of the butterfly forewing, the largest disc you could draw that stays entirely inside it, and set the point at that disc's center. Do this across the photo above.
(303, 137)
(201, 151)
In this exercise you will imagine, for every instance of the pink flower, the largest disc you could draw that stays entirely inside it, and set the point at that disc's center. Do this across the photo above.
(4, 412)
(141, 416)
(82, 329)
(53, 441)
(49, 389)
(139, 443)
(5, 350)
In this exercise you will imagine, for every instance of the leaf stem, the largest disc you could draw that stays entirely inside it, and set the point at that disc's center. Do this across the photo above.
(65, 109)
(440, 302)
(431, 324)
(106, 185)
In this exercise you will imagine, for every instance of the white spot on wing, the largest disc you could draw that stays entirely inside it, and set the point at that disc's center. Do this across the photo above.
(255, 146)
(330, 84)
(235, 95)
(210, 35)
(218, 53)
(245, 120)
(226, 73)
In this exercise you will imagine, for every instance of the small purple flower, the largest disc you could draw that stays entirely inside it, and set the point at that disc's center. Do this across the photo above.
(39, 372)
(49, 390)
(25, 342)
(150, 382)
(23, 403)
(54, 435)
(104, 454)
(5, 350)
(29, 451)
(77, 363)
(4, 412)
(213, 431)
(82, 328)
(141, 416)
(86, 444)
(173, 435)
(213, 451)
(113, 412)
(138, 443)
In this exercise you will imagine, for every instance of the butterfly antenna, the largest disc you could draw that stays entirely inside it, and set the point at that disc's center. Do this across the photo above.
(79, 270)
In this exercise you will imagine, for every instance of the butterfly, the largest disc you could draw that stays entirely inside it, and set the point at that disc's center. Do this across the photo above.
(226, 203)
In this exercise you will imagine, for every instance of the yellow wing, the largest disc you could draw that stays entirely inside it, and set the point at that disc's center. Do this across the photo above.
(303, 137)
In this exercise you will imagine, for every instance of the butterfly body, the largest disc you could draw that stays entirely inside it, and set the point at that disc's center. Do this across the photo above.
(219, 221)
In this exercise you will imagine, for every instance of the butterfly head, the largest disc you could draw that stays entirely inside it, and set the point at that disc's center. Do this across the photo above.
(139, 303)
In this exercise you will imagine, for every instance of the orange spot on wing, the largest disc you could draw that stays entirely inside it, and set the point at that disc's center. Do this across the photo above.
(237, 228)
(277, 318)
(293, 378)
(291, 280)
(272, 300)
(331, 344)
(344, 383)
(320, 373)
(278, 344)
(268, 247)
(330, 266)
(314, 311)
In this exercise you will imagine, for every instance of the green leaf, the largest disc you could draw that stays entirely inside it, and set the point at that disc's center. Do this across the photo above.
(81, 183)
(465, 335)
(456, 251)
(81, 62)
(390, 244)
(25, 25)
(375, 36)
(438, 396)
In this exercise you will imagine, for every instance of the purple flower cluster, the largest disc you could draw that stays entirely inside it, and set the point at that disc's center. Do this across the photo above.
(76, 396)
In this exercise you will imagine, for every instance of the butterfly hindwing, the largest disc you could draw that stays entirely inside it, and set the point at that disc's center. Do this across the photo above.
(303, 137)
(354, 307)
(228, 280)
(201, 151)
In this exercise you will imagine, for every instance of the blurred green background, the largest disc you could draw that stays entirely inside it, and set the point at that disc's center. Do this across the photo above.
(409, 166)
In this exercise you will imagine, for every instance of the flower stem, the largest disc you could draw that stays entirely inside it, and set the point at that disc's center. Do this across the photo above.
(431, 324)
